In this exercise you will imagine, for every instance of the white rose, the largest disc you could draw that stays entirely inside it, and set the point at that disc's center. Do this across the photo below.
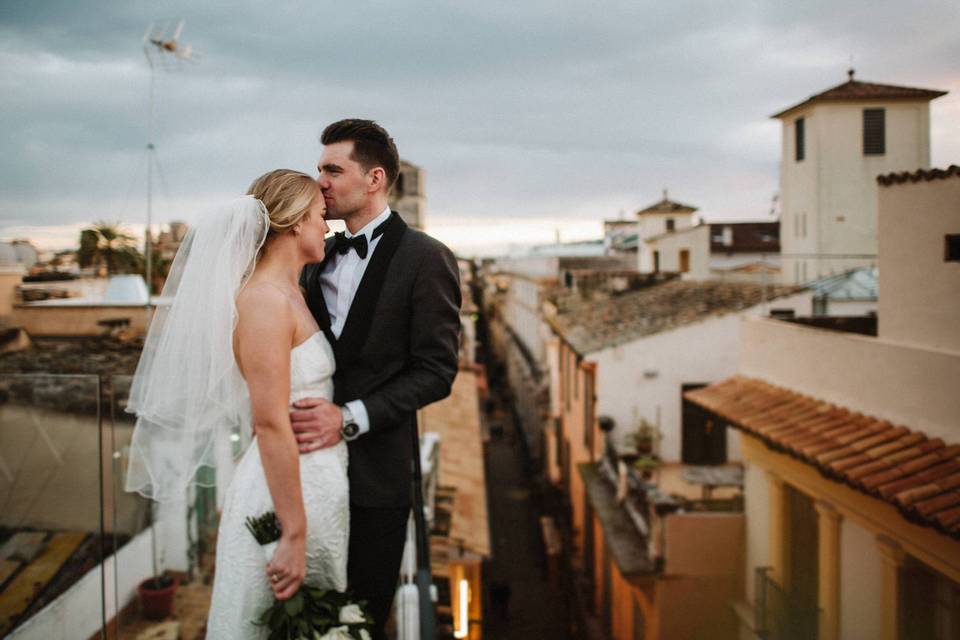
(365, 635)
(351, 614)
(337, 633)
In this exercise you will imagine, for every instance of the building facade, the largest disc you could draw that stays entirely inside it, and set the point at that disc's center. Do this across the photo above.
(851, 445)
(834, 145)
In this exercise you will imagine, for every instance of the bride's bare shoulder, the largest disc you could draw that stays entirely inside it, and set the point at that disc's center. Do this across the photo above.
(263, 303)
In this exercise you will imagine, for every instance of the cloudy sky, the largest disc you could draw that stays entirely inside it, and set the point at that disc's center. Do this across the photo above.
(528, 117)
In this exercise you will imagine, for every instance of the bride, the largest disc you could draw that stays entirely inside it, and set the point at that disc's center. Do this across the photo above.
(233, 349)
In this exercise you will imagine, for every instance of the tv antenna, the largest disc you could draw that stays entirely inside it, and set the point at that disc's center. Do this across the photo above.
(164, 52)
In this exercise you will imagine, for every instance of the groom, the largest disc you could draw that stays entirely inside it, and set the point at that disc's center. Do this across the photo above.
(388, 298)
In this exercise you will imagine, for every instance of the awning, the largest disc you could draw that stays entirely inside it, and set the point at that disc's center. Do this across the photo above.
(918, 475)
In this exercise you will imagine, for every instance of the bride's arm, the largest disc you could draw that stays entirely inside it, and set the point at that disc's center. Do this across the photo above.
(264, 336)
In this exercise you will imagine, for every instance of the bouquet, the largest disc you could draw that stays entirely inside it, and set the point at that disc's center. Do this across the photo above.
(311, 613)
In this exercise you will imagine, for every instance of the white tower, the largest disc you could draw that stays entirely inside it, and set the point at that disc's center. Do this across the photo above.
(665, 216)
(835, 144)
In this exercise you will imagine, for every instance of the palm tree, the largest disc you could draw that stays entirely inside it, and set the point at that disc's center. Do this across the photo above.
(109, 246)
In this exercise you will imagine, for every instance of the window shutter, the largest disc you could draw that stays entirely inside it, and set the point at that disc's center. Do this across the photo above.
(874, 132)
(798, 131)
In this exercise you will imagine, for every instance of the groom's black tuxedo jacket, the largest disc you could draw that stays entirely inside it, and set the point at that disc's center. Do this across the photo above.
(397, 352)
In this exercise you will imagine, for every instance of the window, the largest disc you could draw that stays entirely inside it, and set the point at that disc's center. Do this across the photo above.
(798, 133)
(670, 224)
(587, 412)
(577, 372)
(874, 132)
(952, 248)
(704, 438)
(803, 224)
(929, 603)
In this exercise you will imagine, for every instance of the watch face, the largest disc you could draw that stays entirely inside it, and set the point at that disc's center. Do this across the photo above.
(351, 429)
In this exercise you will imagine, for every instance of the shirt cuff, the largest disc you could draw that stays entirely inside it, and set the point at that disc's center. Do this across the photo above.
(359, 413)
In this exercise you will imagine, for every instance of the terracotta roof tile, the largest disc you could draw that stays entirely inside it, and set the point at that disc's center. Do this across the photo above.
(456, 419)
(593, 323)
(855, 90)
(667, 206)
(917, 474)
(925, 175)
(950, 517)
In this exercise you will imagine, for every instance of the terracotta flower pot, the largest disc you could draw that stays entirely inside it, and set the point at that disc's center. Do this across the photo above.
(156, 603)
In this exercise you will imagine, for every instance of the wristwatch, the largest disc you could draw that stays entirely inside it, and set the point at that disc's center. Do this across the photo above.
(350, 429)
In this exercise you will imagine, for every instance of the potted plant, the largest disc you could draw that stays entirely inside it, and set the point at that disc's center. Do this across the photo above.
(645, 437)
(156, 592)
(646, 465)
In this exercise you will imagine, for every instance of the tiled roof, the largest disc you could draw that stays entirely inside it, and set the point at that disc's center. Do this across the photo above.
(456, 419)
(589, 324)
(918, 475)
(855, 90)
(920, 174)
(667, 206)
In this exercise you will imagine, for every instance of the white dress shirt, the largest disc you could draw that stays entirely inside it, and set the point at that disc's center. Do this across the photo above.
(339, 281)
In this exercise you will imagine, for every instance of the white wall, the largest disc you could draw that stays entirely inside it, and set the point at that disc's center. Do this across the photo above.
(920, 304)
(912, 386)
(76, 613)
(835, 185)
(696, 240)
(756, 497)
(522, 314)
(703, 352)
(655, 224)
(861, 584)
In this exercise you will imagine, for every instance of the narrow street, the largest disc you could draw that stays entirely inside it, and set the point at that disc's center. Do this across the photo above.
(524, 596)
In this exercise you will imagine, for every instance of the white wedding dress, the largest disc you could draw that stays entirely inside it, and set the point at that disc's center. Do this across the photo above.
(241, 591)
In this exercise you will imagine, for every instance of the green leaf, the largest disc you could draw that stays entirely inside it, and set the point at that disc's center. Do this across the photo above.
(294, 605)
(278, 614)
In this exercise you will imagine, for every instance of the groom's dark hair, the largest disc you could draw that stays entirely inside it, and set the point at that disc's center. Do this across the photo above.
(372, 145)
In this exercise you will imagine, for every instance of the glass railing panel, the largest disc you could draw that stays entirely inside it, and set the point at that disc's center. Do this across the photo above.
(53, 534)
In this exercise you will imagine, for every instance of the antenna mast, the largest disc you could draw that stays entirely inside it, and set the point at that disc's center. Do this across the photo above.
(158, 49)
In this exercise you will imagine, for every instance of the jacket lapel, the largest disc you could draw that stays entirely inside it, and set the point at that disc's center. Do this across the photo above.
(357, 326)
(315, 301)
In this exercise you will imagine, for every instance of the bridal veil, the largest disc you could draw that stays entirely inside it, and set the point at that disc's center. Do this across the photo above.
(187, 392)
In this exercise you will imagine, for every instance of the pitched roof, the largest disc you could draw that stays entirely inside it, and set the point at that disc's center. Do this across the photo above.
(667, 206)
(456, 419)
(918, 475)
(855, 90)
(590, 324)
(920, 174)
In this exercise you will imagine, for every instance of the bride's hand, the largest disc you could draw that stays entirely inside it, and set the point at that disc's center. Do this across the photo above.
(288, 567)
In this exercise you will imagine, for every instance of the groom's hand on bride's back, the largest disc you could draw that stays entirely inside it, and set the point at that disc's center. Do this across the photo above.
(316, 424)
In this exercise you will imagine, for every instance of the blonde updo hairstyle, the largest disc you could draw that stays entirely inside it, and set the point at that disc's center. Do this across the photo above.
(287, 195)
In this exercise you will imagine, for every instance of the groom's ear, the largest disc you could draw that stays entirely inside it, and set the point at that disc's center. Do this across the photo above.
(376, 179)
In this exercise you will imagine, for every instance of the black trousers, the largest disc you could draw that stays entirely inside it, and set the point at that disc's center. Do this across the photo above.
(376, 549)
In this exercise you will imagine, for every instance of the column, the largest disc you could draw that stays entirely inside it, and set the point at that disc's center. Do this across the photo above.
(828, 588)
(893, 557)
(779, 531)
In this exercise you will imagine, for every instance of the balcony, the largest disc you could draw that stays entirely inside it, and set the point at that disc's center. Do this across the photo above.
(778, 614)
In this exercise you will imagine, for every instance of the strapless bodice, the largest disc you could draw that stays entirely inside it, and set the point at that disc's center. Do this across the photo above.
(311, 368)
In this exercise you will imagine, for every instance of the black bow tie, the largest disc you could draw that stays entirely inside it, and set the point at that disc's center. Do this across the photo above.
(342, 244)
